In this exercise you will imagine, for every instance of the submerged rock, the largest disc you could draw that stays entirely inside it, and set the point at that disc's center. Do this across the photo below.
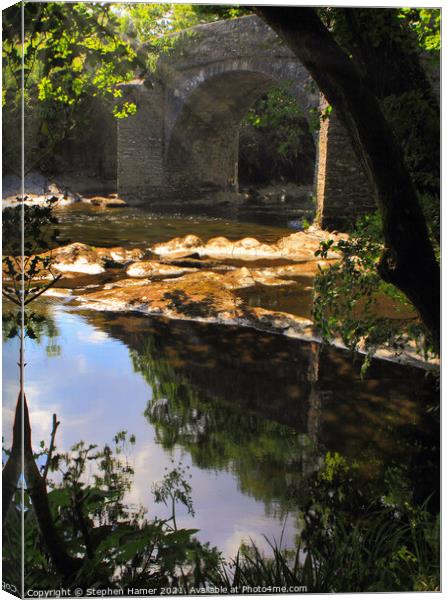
(245, 278)
(299, 269)
(198, 263)
(122, 283)
(59, 292)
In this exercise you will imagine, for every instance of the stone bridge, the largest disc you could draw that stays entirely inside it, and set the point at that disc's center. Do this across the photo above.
(183, 140)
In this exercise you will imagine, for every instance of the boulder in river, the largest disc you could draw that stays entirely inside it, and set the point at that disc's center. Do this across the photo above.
(196, 296)
(152, 268)
(111, 201)
(179, 246)
(203, 296)
(82, 258)
(300, 246)
(119, 254)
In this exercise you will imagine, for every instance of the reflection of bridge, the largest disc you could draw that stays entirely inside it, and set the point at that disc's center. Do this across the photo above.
(238, 371)
(184, 137)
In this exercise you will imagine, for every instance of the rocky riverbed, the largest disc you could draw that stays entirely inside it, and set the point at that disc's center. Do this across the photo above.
(38, 191)
(188, 278)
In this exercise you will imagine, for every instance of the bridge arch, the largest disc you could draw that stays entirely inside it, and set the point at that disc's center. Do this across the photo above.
(212, 76)
(184, 135)
(203, 142)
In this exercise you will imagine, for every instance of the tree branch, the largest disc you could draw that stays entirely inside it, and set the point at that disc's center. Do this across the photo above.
(43, 290)
(56, 424)
(11, 298)
(12, 469)
(63, 562)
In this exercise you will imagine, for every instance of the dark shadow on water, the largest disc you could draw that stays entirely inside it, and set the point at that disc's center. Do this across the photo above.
(269, 408)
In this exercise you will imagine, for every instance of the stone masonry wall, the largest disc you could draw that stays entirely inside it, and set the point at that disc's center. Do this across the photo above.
(342, 188)
(140, 144)
(184, 134)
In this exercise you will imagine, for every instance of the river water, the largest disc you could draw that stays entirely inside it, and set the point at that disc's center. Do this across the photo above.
(252, 414)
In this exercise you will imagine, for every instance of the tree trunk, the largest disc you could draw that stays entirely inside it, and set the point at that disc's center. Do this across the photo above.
(408, 260)
(387, 55)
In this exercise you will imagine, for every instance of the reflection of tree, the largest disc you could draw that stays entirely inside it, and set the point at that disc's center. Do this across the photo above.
(354, 515)
(250, 402)
(39, 326)
(256, 405)
(268, 458)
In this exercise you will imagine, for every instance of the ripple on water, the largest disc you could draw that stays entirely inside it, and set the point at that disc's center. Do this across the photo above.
(131, 227)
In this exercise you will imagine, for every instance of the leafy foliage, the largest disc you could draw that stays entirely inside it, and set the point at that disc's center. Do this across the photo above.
(275, 141)
(174, 488)
(71, 55)
(426, 24)
(23, 268)
(146, 22)
(390, 48)
(154, 25)
(357, 540)
(352, 302)
(353, 539)
(398, 51)
(118, 545)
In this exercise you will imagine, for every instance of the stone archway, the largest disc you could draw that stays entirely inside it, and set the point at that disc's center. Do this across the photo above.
(184, 136)
(203, 147)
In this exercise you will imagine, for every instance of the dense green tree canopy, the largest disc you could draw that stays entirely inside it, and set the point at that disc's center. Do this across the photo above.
(72, 53)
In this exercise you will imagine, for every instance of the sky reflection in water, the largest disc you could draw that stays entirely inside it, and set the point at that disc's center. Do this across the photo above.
(95, 392)
(252, 414)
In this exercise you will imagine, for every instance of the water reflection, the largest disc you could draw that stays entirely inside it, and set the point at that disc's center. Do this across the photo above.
(253, 413)
(268, 408)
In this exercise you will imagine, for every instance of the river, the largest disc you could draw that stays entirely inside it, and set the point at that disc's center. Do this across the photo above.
(251, 414)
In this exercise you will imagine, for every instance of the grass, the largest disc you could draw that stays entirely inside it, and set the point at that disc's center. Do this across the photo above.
(380, 552)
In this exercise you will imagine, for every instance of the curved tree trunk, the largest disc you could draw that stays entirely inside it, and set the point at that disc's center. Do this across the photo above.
(408, 261)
